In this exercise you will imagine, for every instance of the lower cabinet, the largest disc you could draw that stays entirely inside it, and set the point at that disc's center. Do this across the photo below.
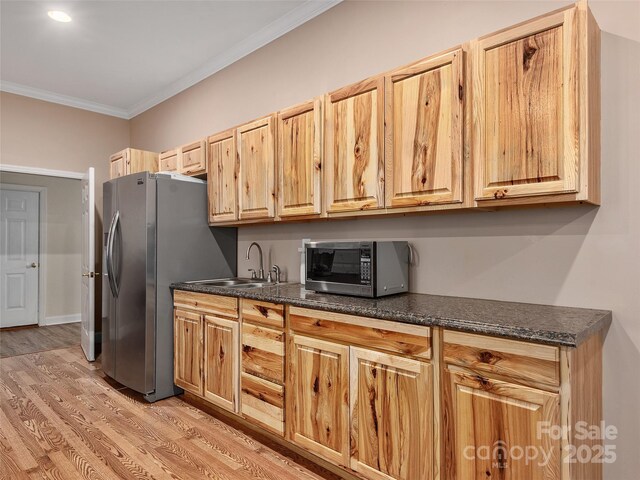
(262, 377)
(221, 362)
(263, 403)
(392, 402)
(206, 347)
(187, 346)
(318, 398)
(391, 416)
(495, 429)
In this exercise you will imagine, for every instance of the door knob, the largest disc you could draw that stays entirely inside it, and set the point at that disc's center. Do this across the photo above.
(90, 274)
(33, 265)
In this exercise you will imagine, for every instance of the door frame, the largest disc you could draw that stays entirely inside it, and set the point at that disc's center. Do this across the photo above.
(43, 212)
(42, 241)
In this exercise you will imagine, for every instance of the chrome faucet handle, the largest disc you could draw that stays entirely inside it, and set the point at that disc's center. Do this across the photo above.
(269, 278)
(276, 269)
(253, 273)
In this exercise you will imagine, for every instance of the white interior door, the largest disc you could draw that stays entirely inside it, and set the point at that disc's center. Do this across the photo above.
(88, 265)
(19, 252)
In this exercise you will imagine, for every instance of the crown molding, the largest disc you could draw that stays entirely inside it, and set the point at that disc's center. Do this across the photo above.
(277, 28)
(53, 97)
(40, 171)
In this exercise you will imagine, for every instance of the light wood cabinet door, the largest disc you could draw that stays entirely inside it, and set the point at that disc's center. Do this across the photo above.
(424, 132)
(118, 165)
(300, 160)
(193, 158)
(318, 398)
(526, 133)
(131, 160)
(222, 177)
(490, 424)
(391, 416)
(140, 161)
(169, 161)
(221, 362)
(187, 351)
(256, 158)
(354, 153)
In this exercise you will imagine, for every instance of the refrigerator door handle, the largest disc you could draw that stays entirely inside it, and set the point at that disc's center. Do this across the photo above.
(117, 230)
(107, 259)
(110, 273)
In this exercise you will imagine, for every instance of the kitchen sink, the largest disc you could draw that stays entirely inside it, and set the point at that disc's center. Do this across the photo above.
(242, 283)
(252, 285)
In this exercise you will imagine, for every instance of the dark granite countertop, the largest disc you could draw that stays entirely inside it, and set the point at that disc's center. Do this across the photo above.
(560, 326)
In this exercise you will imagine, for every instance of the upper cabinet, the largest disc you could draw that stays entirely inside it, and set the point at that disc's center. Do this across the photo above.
(424, 132)
(189, 159)
(536, 109)
(508, 119)
(300, 160)
(354, 153)
(256, 179)
(193, 158)
(117, 165)
(169, 161)
(222, 176)
(130, 161)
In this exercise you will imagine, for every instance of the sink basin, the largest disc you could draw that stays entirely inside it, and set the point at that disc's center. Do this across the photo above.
(252, 285)
(224, 282)
(233, 283)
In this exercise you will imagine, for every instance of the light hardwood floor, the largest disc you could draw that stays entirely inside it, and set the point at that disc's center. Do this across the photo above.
(22, 340)
(60, 418)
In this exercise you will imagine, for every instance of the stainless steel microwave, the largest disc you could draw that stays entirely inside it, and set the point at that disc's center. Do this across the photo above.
(363, 269)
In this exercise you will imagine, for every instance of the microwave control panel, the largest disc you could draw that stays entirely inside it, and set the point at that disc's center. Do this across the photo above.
(365, 266)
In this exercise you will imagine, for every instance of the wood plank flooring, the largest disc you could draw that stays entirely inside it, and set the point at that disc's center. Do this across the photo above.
(60, 418)
(20, 341)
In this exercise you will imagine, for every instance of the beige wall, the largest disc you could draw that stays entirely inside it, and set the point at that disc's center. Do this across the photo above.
(577, 256)
(64, 236)
(34, 133)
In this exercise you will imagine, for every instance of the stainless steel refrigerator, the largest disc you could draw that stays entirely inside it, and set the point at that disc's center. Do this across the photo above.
(157, 234)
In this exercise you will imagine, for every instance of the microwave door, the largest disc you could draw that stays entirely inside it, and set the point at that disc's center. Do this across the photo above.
(334, 265)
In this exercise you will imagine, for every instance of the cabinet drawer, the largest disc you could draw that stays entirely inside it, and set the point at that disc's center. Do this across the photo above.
(263, 352)
(269, 314)
(263, 402)
(370, 332)
(511, 358)
(206, 303)
(168, 161)
(193, 158)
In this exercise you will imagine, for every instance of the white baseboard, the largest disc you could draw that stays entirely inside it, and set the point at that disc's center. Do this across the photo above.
(60, 319)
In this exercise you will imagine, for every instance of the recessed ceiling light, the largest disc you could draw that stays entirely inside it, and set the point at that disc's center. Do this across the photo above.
(59, 16)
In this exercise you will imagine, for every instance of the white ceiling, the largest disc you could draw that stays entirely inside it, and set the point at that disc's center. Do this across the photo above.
(123, 57)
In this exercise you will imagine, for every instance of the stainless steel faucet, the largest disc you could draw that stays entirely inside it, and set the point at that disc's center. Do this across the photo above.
(260, 274)
(276, 270)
